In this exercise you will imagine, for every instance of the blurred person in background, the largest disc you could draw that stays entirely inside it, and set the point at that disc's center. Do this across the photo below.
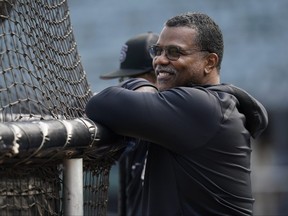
(135, 62)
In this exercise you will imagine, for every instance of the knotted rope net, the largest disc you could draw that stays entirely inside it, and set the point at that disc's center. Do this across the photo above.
(42, 78)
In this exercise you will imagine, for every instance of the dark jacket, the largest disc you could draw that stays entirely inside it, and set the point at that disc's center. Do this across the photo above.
(198, 161)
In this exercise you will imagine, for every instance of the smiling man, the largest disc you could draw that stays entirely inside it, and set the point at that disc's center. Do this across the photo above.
(200, 130)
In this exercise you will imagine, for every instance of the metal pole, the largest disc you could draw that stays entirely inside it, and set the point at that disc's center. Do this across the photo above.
(73, 187)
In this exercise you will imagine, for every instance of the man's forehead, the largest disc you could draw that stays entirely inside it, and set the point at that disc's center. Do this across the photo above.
(177, 36)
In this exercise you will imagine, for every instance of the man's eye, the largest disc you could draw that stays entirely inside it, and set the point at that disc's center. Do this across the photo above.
(158, 50)
(173, 51)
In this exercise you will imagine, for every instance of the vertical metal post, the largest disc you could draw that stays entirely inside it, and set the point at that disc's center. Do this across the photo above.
(73, 187)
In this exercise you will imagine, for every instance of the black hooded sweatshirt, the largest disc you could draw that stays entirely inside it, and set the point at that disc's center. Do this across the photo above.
(198, 161)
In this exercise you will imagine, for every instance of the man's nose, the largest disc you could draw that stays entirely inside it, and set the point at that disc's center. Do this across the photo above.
(161, 59)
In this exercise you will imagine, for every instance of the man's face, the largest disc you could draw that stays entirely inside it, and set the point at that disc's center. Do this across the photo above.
(188, 68)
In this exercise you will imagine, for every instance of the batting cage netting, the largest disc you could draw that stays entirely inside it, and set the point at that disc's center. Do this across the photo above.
(43, 92)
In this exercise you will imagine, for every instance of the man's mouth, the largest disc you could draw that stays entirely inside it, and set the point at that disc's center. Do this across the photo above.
(163, 74)
(165, 77)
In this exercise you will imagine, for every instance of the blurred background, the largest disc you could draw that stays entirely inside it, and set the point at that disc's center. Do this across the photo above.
(255, 59)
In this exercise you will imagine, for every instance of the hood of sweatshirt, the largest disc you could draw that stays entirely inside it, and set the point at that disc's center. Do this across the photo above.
(255, 113)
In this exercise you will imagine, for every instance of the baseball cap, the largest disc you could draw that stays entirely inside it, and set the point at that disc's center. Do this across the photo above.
(134, 56)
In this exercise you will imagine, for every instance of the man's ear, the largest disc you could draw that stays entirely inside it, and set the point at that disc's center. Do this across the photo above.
(211, 62)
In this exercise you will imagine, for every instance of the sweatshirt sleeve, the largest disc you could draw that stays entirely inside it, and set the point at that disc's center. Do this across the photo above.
(181, 116)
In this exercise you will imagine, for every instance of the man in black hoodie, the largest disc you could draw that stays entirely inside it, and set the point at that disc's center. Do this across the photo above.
(199, 130)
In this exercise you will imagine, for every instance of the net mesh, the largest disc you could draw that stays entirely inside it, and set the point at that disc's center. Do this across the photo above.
(41, 77)
(30, 196)
(41, 72)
